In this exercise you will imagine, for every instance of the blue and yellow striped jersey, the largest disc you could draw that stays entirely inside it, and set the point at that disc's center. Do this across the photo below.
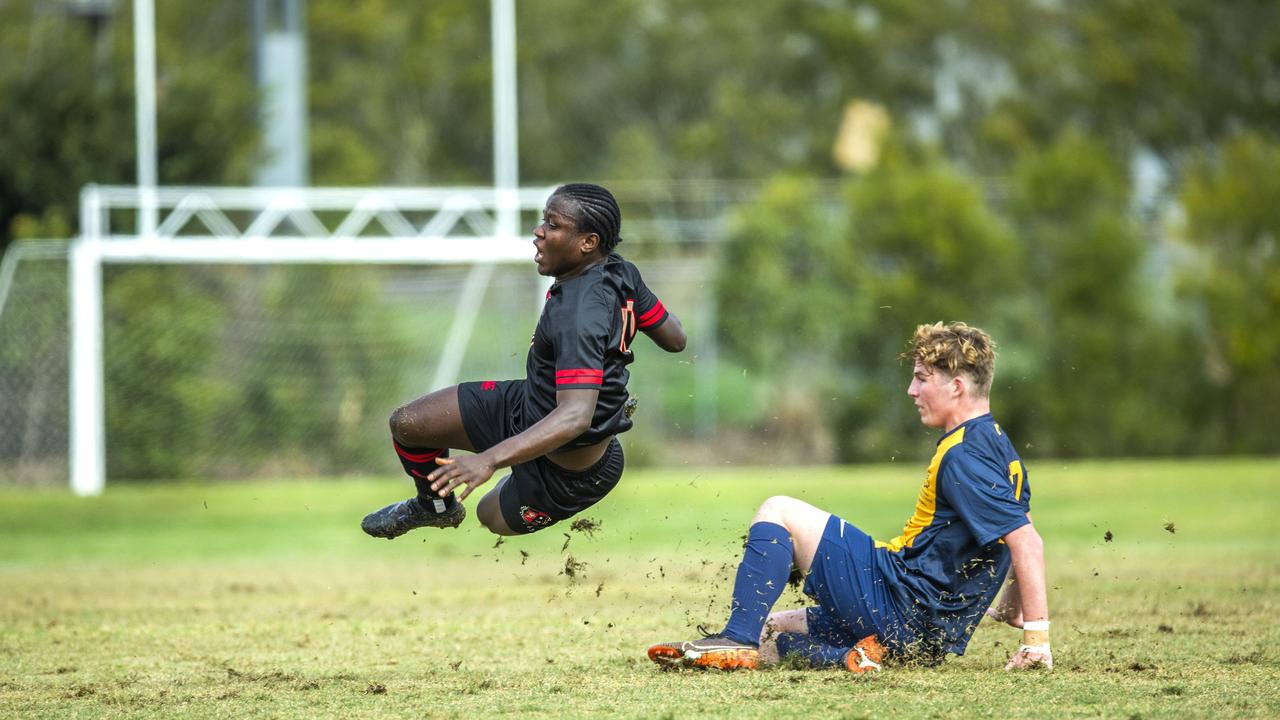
(949, 562)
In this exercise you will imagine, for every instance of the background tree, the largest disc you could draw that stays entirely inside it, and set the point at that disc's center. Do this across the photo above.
(65, 114)
(1233, 222)
(927, 249)
(1097, 331)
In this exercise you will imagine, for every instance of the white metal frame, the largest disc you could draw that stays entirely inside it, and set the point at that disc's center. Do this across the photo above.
(197, 225)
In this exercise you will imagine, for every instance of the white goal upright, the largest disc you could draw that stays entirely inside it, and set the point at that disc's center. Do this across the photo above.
(473, 228)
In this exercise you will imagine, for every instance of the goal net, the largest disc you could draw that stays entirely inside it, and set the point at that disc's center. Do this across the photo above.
(33, 364)
(233, 371)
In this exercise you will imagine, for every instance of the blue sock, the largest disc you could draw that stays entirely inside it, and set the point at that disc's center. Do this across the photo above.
(762, 575)
(815, 653)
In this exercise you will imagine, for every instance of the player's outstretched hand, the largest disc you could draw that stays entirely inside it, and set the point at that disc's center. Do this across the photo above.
(469, 470)
(1026, 659)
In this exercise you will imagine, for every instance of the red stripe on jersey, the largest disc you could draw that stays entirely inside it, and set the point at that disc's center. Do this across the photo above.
(580, 371)
(416, 457)
(653, 316)
(580, 380)
(580, 376)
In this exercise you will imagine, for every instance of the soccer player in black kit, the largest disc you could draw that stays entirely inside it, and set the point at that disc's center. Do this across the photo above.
(556, 428)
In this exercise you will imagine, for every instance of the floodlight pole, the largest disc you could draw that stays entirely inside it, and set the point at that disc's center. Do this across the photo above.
(506, 141)
(144, 73)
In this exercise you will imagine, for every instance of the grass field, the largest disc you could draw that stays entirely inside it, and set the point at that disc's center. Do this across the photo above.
(265, 600)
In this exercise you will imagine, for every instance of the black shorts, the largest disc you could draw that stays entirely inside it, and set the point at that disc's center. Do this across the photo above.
(538, 493)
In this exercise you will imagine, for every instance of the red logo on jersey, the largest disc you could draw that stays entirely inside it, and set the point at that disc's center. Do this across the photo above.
(488, 385)
(534, 518)
(628, 325)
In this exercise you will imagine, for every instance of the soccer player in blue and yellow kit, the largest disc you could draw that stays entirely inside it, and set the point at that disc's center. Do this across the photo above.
(556, 429)
(921, 594)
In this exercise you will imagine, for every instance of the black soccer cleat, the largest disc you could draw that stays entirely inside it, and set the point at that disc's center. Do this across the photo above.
(399, 518)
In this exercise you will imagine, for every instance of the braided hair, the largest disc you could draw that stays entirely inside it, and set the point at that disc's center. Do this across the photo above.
(596, 212)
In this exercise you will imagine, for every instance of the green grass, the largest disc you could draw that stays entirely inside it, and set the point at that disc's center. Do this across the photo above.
(265, 600)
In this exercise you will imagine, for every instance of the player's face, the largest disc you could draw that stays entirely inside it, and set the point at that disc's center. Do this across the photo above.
(557, 242)
(934, 394)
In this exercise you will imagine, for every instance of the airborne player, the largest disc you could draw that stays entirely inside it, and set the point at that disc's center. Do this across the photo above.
(556, 428)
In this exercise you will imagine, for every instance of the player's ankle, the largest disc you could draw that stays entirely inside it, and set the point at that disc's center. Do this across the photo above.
(738, 638)
(432, 502)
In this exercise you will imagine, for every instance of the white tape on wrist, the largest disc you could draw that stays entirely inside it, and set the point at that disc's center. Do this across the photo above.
(1038, 649)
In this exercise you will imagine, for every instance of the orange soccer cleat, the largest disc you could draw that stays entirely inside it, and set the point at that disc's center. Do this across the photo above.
(714, 652)
(866, 655)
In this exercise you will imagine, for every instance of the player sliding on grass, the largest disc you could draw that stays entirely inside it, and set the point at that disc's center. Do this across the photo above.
(555, 429)
(920, 595)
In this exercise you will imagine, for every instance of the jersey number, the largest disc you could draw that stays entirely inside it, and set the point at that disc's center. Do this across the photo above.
(1015, 478)
(628, 325)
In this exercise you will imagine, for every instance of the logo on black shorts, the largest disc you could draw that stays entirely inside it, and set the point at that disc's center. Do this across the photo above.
(488, 385)
(534, 518)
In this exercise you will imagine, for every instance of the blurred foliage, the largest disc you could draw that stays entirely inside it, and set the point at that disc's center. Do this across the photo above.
(66, 121)
(1094, 182)
(1095, 331)
(399, 92)
(1232, 199)
(68, 116)
(927, 248)
(783, 299)
(824, 301)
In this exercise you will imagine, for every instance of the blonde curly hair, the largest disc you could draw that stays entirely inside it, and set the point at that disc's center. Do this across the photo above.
(955, 348)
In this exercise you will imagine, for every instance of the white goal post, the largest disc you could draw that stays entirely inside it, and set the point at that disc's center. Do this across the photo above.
(223, 225)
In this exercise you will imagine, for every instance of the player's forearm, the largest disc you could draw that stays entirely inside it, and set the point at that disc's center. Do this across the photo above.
(1027, 551)
(551, 432)
(1009, 607)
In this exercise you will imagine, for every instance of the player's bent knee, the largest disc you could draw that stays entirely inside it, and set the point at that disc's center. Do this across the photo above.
(793, 621)
(775, 510)
(399, 422)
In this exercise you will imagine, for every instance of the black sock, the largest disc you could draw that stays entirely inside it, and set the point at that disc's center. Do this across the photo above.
(435, 503)
(418, 463)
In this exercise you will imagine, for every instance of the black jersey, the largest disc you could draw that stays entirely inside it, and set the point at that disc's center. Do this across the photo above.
(583, 340)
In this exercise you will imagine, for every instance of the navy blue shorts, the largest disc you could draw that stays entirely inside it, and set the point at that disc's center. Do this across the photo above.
(853, 601)
(537, 493)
